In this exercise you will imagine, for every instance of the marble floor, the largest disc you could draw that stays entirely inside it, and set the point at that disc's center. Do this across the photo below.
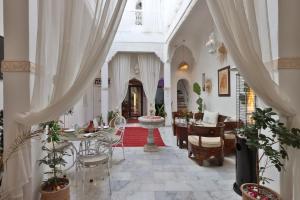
(165, 175)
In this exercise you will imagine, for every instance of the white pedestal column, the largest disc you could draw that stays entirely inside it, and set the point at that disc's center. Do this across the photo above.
(18, 83)
(289, 80)
(104, 92)
(167, 92)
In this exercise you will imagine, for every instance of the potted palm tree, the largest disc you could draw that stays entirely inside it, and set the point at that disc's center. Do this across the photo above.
(273, 148)
(55, 186)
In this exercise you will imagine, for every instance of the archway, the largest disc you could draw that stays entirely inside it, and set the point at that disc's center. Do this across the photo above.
(134, 103)
(182, 95)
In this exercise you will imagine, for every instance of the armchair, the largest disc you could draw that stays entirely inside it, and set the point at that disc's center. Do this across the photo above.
(205, 142)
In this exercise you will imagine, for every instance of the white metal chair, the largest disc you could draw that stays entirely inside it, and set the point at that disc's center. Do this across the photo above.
(117, 138)
(95, 155)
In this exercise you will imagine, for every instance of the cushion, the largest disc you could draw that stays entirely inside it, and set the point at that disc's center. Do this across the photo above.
(230, 119)
(211, 142)
(205, 124)
(92, 160)
(210, 117)
(194, 139)
(179, 120)
(208, 142)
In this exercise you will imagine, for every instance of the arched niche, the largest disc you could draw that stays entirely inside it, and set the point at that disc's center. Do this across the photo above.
(183, 94)
(182, 54)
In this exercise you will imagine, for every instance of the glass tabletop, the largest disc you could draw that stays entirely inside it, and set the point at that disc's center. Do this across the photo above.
(82, 136)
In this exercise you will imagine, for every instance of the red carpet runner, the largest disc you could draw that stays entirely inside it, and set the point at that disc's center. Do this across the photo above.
(132, 121)
(137, 137)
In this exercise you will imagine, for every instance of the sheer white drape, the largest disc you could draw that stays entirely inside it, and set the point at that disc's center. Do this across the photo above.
(73, 40)
(120, 76)
(239, 23)
(149, 65)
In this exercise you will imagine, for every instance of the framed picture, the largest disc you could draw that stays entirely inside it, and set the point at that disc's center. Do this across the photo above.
(224, 82)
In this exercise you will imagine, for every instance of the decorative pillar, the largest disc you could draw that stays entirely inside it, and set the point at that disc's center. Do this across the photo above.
(18, 74)
(104, 92)
(167, 92)
(289, 80)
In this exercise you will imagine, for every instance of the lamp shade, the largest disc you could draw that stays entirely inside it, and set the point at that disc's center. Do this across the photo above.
(184, 66)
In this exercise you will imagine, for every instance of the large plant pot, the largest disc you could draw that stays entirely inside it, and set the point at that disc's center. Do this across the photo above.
(62, 194)
(265, 193)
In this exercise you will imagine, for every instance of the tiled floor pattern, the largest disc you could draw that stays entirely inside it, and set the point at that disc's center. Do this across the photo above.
(165, 175)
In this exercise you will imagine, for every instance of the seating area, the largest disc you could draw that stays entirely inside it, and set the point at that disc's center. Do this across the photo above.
(204, 136)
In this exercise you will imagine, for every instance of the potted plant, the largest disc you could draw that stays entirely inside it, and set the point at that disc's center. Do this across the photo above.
(55, 186)
(273, 148)
(199, 101)
(160, 110)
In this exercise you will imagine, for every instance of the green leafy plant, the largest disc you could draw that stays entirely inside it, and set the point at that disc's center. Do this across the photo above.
(160, 110)
(54, 158)
(273, 145)
(199, 101)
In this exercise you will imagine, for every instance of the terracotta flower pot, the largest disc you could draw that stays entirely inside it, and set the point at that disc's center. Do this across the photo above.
(249, 192)
(62, 194)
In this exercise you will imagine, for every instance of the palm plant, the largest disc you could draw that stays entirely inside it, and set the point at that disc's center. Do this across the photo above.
(54, 157)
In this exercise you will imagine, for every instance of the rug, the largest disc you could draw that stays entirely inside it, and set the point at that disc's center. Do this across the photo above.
(137, 137)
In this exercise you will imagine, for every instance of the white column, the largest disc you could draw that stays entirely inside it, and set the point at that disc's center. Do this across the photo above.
(167, 92)
(104, 92)
(18, 83)
(289, 80)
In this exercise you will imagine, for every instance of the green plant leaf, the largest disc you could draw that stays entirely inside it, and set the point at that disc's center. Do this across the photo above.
(197, 88)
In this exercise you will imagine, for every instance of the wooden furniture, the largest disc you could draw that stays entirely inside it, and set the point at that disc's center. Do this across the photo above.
(230, 137)
(180, 115)
(205, 142)
(182, 135)
(175, 115)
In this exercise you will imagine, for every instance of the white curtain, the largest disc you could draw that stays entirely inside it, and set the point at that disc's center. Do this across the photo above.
(149, 65)
(119, 79)
(240, 25)
(73, 40)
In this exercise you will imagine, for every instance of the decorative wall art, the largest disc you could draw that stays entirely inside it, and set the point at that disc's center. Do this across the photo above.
(224, 81)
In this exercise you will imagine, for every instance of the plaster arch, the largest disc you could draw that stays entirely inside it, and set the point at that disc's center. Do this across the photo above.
(183, 94)
(177, 74)
(182, 53)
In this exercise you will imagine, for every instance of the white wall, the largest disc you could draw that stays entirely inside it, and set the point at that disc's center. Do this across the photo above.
(196, 37)
(209, 64)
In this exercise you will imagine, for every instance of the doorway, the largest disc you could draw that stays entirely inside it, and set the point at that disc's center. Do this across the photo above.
(182, 95)
(132, 106)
